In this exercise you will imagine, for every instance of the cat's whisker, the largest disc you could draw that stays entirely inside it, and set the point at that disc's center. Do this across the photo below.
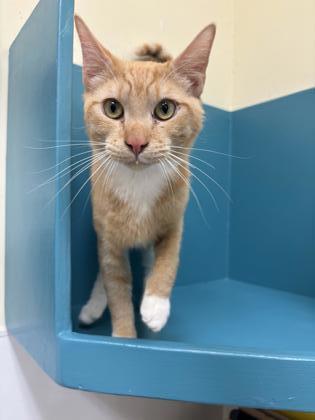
(186, 181)
(60, 143)
(105, 165)
(58, 146)
(107, 169)
(79, 163)
(169, 181)
(114, 169)
(62, 162)
(167, 178)
(211, 151)
(113, 164)
(64, 172)
(58, 140)
(205, 174)
(199, 180)
(194, 157)
(82, 165)
(84, 184)
(79, 127)
(95, 159)
(110, 172)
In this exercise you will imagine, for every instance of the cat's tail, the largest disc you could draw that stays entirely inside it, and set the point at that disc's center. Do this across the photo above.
(152, 52)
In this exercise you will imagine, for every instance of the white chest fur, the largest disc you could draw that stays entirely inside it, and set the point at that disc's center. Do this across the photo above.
(139, 189)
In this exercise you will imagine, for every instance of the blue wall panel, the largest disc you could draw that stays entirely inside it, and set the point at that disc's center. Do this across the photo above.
(83, 238)
(34, 126)
(272, 236)
(208, 258)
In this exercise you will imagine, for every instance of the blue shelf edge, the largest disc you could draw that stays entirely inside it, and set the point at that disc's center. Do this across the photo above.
(214, 376)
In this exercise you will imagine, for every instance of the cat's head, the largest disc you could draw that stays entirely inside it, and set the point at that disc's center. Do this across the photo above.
(139, 112)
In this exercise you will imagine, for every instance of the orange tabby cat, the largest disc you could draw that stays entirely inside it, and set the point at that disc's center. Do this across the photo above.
(141, 116)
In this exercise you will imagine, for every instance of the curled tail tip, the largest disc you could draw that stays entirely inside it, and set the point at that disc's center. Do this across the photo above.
(152, 52)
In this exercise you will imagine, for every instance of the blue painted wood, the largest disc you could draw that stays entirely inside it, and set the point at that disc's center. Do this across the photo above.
(36, 96)
(217, 315)
(242, 328)
(226, 342)
(272, 219)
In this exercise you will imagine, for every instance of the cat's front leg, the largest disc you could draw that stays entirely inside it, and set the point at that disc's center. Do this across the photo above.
(115, 268)
(155, 306)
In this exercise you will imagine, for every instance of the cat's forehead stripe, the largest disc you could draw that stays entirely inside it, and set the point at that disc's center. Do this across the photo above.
(141, 77)
(149, 85)
(129, 83)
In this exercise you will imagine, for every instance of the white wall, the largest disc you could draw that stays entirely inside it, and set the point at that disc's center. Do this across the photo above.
(274, 44)
(27, 393)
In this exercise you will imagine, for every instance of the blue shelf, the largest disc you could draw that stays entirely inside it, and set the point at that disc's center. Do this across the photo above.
(242, 327)
(233, 315)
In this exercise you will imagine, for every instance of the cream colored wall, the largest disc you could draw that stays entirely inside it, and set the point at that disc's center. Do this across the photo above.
(172, 23)
(274, 44)
(263, 49)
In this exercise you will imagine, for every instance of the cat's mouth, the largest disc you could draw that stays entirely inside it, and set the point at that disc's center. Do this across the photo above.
(136, 161)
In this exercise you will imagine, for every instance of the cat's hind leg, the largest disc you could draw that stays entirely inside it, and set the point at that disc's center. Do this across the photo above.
(96, 305)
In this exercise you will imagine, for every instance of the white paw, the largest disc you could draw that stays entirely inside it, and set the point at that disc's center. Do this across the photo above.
(96, 305)
(90, 313)
(155, 311)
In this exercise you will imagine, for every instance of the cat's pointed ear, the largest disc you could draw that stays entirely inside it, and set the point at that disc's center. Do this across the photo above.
(98, 62)
(192, 63)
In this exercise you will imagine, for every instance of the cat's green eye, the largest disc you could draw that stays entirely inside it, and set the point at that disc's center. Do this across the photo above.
(165, 109)
(113, 109)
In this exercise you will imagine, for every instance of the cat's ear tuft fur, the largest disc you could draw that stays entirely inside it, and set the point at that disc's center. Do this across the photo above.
(192, 63)
(98, 62)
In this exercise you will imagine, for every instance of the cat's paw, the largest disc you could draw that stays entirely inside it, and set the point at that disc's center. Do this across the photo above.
(93, 309)
(125, 334)
(96, 304)
(155, 311)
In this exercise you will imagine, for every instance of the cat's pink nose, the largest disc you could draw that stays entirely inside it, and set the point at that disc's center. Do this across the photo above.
(136, 144)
